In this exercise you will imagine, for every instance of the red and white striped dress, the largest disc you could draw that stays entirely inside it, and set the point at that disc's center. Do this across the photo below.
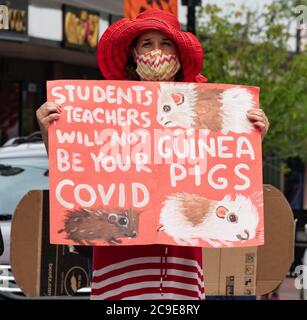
(147, 272)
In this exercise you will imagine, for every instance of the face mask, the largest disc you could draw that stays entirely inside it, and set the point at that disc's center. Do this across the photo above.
(157, 66)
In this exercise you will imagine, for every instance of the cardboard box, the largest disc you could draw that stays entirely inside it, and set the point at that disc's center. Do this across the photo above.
(254, 270)
(230, 272)
(40, 268)
(43, 269)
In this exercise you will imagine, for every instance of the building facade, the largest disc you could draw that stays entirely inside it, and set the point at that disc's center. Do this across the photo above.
(46, 40)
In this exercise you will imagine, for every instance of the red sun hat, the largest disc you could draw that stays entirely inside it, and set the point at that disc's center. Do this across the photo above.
(114, 45)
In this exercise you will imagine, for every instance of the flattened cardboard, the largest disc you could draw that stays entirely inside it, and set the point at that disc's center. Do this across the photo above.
(226, 271)
(277, 254)
(25, 246)
(40, 268)
(254, 270)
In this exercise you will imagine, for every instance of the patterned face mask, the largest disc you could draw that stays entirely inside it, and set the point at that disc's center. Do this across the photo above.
(157, 66)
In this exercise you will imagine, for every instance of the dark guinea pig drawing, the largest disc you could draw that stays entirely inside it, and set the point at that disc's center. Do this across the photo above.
(84, 226)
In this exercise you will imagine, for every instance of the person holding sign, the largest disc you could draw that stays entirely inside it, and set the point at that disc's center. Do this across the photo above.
(150, 47)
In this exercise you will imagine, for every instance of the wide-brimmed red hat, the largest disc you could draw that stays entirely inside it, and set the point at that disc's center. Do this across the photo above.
(114, 45)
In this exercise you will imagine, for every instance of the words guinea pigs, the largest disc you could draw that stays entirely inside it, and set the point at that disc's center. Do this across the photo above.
(86, 225)
(185, 106)
(186, 217)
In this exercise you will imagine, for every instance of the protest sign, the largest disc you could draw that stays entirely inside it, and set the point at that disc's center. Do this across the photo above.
(134, 163)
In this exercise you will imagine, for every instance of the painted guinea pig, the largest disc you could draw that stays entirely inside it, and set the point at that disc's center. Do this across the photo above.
(185, 106)
(86, 225)
(186, 217)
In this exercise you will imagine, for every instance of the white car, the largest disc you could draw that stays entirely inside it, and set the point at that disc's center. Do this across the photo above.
(23, 167)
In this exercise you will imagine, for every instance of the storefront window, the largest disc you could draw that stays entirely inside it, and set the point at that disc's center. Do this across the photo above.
(10, 102)
(294, 183)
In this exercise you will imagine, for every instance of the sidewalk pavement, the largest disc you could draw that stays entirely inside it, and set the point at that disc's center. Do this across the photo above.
(286, 291)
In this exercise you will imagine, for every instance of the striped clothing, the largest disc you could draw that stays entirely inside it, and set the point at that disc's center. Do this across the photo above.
(147, 272)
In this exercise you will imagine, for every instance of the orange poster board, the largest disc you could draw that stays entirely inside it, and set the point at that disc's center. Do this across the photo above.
(133, 7)
(135, 163)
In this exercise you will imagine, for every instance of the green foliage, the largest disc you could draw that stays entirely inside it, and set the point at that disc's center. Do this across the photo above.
(250, 48)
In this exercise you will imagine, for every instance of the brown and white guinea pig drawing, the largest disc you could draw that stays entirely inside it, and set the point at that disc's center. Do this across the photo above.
(186, 217)
(185, 106)
(84, 226)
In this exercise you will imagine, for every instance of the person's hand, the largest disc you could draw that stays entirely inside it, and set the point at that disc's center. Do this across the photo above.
(259, 119)
(46, 114)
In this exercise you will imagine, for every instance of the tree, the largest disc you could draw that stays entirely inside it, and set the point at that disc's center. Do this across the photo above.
(251, 48)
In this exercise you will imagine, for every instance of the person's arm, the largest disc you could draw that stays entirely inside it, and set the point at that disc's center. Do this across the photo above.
(45, 114)
(259, 119)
